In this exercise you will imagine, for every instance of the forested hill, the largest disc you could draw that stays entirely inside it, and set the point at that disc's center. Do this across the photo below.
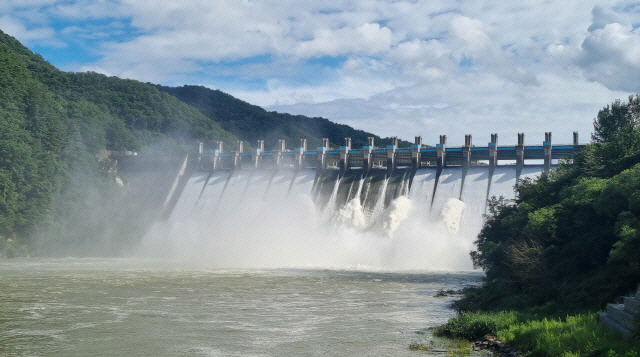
(135, 114)
(141, 114)
(251, 122)
(56, 130)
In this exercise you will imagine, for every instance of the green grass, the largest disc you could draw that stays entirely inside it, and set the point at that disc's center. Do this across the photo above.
(579, 335)
(452, 347)
(575, 335)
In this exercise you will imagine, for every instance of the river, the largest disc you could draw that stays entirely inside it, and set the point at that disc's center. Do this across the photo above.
(129, 307)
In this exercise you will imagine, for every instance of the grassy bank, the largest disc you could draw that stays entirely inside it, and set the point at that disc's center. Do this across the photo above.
(573, 335)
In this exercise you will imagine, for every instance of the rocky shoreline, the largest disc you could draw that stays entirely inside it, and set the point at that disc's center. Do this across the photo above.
(487, 345)
(493, 344)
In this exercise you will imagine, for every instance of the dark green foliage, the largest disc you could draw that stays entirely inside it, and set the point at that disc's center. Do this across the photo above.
(56, 190)
(616, 121)
(132, 109)
(252, 123)
(32, 136)
(444, 293)
(140, 108)
(474, 325)
(571, 239)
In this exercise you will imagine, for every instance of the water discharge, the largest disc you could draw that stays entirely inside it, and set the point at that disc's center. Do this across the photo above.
(289, 219)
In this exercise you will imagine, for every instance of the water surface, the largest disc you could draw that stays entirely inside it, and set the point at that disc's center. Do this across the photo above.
(109, 307)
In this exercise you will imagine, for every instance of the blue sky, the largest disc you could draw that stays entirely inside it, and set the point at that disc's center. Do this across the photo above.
(400, 68)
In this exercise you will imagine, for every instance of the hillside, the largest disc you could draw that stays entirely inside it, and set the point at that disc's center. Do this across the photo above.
(251, 122)
(143, 114)
(139, 114)
(57, 195)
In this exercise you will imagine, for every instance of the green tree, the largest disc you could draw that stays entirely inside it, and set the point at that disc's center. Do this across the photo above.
(570, 238)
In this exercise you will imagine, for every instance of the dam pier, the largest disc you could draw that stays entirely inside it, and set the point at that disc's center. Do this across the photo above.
(390, 157)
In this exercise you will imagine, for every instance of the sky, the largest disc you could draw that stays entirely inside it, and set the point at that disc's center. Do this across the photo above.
(394, 68)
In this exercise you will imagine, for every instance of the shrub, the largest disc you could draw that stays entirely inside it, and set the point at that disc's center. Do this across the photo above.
(473, 325)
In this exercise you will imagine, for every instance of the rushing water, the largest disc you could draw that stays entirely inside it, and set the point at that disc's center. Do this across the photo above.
(293, 219)
(117, 307)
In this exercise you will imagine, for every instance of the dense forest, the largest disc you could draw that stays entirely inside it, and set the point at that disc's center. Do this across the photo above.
(571, 239)
(251, 122)
(57, 130)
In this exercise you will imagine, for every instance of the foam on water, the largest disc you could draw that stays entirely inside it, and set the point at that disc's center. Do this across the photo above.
(451, 214)
(396, 214)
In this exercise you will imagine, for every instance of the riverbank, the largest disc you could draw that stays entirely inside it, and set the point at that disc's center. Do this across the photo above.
(536, 335)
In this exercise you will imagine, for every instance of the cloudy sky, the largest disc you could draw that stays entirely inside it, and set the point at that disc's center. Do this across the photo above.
(400, 68)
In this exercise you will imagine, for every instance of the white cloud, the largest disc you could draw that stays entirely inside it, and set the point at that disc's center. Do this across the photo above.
(611, 55)
(83, 10)
(423, 59)
(602, 16)
(368, 39)
(399, 67)
(470, 31)
(17, 29)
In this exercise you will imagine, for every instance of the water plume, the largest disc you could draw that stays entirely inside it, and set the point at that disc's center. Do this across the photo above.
(451, 214)
(292, 219)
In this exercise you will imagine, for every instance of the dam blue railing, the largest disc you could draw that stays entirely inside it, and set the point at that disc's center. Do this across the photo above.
(390, 157)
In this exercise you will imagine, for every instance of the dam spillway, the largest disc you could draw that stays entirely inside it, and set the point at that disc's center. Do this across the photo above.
(389, 215)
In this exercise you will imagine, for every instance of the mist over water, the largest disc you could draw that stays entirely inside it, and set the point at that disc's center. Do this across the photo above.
(289, 219)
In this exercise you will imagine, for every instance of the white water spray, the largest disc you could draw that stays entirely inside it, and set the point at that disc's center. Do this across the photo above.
(451, 214)
(331, 205)
(397, 212)
(352, 214)
(379, 206)
(273, 227)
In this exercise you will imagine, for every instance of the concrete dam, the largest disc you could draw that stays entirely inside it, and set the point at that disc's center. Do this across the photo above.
(398, 208)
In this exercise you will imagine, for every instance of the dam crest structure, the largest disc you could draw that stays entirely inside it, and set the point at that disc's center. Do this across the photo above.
(390, 159)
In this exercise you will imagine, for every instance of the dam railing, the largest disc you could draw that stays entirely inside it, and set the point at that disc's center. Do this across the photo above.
(389, 157)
